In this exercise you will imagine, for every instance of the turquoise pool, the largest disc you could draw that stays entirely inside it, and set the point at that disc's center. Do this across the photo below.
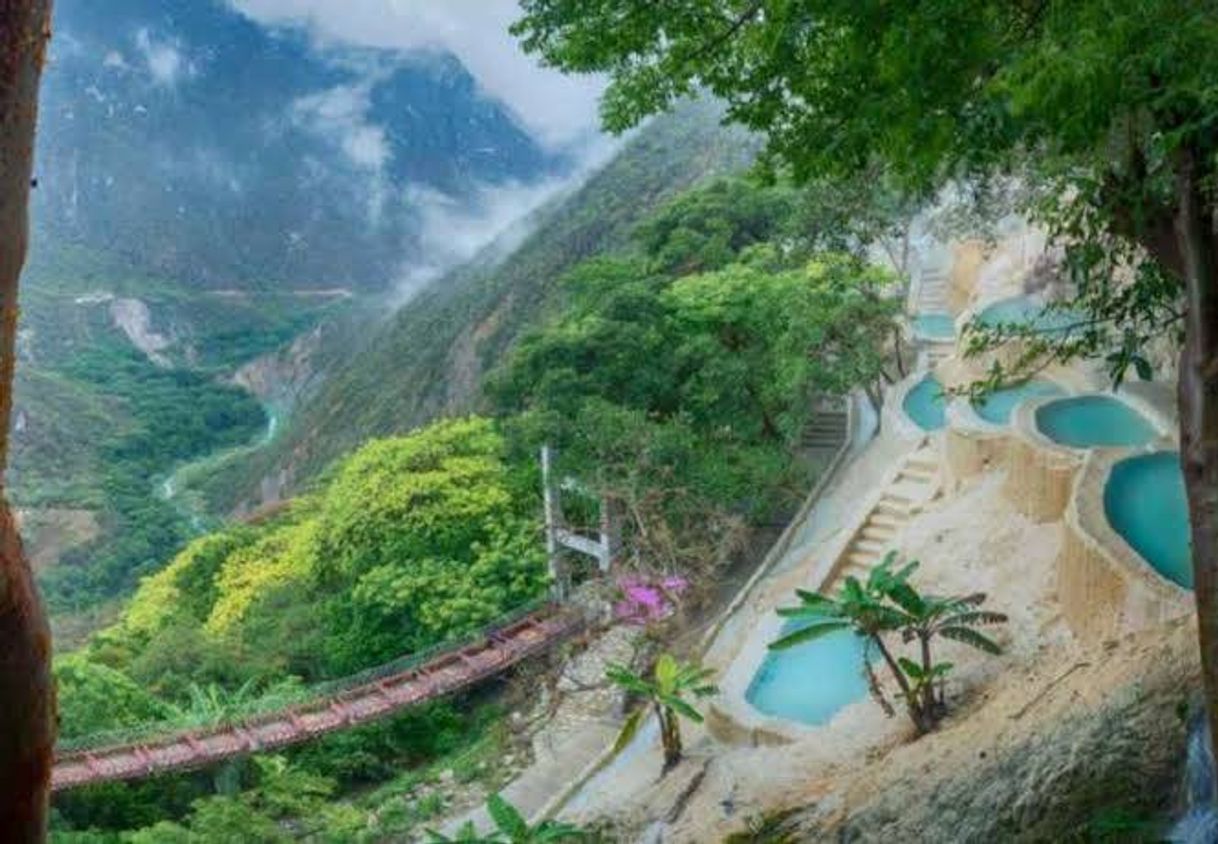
(936, 326)
(1024, 309)
(926, 404)
(998, 405)
(1093, 422)
(1145, 503)
(810, 682)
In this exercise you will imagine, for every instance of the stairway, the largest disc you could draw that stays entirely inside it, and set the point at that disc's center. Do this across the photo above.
(935, 352)
(826, 431)
(916, 482)
(932, 293)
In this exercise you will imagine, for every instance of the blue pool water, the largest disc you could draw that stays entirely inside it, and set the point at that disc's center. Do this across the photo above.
(936, 326)
(997, 406)
(1023, 309)
(1093, 421)
(926, 404)
(1145, 503)
(810, 682)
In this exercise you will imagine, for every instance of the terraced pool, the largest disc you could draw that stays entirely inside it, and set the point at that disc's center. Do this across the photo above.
(997, 407)
(926, 404)
(809, 683)
(1093, 421)
(935, 326)
(1026, 309)
(1145, 503)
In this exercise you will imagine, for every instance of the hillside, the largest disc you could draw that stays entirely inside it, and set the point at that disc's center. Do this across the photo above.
(428, 358)
(212, 192)
(204, 146)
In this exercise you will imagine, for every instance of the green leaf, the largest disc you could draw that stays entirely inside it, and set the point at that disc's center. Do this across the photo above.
(509, 820)
(969, 636)
(677, 705)
(629, 730)
(808, 634)
(911, 668)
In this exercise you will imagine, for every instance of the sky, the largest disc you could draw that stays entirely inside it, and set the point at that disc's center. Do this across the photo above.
(557, 109)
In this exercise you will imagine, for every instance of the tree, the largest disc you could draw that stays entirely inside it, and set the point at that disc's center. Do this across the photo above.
(671, 681)
(512, 828)
(886, 603)
(27, 734)
(1111, 102)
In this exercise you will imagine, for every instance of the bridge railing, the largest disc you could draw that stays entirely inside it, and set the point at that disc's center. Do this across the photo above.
(270, 705)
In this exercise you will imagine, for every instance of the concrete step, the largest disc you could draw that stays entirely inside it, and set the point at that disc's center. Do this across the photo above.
(880, 519)
(878, 532)
(871, 546)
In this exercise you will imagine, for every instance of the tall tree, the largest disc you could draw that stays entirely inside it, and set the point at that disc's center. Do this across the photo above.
(27, 733)
(1111, 101)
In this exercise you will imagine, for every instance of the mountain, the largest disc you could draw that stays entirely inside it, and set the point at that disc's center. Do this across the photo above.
(428, 359)
(200, 144)
(210, 193)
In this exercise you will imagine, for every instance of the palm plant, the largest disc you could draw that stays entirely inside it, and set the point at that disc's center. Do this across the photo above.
(670, 682)
(886, 603)
(928, 616)
(512, 828)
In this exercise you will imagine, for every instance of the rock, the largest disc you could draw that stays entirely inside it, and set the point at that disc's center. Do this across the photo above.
(1110, 737)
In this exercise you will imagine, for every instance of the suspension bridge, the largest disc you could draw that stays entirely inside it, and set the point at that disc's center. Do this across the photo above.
(359, 699)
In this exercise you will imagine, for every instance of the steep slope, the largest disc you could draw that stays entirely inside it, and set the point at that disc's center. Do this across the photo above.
(211, 191)
(205, 146)
(429, 358)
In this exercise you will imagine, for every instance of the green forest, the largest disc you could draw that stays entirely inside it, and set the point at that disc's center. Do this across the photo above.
(673, 377)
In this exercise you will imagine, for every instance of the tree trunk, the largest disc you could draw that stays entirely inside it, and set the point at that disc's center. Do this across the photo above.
(27, 731)
(929, 709)
(670, 739)
(911, 702)
(1198, 403)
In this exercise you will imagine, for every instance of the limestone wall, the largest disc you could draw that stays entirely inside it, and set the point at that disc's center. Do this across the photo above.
(1104, 587)
(1040, 474)
(967, 261)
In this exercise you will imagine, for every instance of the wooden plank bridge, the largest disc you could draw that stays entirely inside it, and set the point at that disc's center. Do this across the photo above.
(446, 673)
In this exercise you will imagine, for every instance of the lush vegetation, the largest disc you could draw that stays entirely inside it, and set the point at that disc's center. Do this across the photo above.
(100, 425)
(665, 692)
(886, 604)
(1107, 107)
(679, 376)
(409, 542)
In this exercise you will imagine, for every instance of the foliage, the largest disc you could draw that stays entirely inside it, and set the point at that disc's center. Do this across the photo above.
(512, 828)
(94, 698)
(886, 603)
(671, 682)
(684, 398)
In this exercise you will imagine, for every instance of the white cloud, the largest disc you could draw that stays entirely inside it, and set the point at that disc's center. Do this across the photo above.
(501, 216)
(340, 114)
(558, 109)
(163, 58)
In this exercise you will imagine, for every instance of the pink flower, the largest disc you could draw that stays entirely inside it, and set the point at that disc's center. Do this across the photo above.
(645, 601)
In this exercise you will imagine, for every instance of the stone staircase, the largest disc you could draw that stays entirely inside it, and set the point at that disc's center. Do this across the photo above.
(825, 431)
(916, 482)
(932, 293)
(935, 352)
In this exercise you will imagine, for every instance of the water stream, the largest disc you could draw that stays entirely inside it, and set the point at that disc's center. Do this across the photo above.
(190, 507)
(1199, 823)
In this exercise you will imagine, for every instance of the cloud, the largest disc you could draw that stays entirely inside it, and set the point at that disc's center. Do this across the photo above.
(557, 109)
(490, 226)
(163, 58)
(340, 114)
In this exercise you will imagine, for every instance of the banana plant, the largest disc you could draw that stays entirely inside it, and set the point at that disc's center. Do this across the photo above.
(886, 603)
(670, 683)
(931, 616)
(512, 828)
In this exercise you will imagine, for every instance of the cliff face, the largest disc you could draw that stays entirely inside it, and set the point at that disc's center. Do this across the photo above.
(1053, 755)
(429, 358)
